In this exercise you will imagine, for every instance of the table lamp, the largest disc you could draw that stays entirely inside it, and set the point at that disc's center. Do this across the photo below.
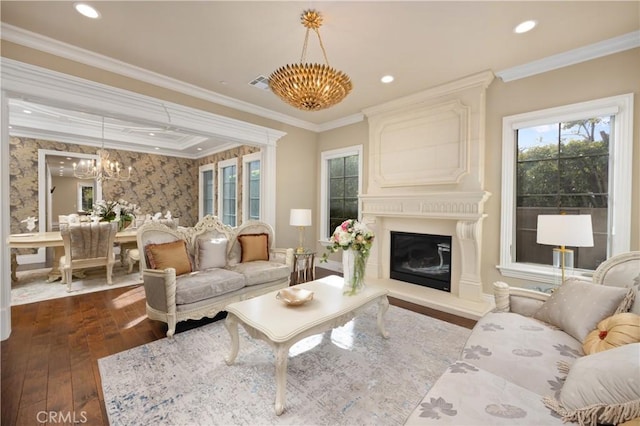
(564, 230)
(300, 218)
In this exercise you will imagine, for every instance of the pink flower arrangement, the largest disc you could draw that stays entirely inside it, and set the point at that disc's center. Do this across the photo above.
(351, 234)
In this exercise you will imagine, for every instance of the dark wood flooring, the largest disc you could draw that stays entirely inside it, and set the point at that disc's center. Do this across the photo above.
(50, 362)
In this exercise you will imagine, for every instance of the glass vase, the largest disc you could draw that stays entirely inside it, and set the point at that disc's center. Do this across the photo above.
(353, 268)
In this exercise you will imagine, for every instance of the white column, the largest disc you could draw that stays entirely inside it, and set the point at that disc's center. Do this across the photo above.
(5, 253)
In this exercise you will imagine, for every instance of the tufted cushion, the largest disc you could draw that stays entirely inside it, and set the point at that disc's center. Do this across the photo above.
(254, 247)
(211, 253)
(617, 330)
(169, 255)
(576, 307)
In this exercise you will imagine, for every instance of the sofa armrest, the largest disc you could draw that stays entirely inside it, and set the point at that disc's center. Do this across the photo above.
(282, 255)
(160, 289)
(519, 300)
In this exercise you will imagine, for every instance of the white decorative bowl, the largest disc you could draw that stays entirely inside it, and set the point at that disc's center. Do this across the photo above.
(294, 296)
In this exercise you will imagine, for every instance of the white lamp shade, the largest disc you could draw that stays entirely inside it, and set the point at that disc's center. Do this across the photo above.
(571, 230)
(300, 217)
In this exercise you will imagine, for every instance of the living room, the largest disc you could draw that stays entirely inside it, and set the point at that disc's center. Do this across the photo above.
(297, 154)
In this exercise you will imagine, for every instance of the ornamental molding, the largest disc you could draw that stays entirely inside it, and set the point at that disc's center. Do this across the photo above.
(468, 206)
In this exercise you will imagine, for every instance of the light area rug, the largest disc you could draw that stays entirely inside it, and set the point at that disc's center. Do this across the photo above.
(347, 376)
(32, 285)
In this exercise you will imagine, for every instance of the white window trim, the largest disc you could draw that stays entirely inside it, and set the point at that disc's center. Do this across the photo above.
(620, 190)
(201, 170)
(221, 166)
(324, 180)
(256, 156)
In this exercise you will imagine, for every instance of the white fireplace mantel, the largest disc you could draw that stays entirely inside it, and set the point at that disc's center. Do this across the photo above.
(426, 175)
(434, 205)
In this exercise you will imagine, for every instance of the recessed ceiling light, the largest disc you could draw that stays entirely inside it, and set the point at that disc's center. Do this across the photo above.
(86, 10)
(157, 148)
(199, 149)
(62, 162)
(69, 158)
(26, 111)
(387, 79)
(152, 134)
(525, 26)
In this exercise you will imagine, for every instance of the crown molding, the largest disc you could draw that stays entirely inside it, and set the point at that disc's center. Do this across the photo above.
(341, 122)
(64, 50)
(36, 84)
(593, 51)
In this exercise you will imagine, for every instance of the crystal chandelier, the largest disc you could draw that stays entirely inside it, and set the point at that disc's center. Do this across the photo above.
(103, 168)
(310, 87)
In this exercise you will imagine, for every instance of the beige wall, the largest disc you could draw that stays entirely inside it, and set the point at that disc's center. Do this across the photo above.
(65, 197)
(612, 75)
(295, 184)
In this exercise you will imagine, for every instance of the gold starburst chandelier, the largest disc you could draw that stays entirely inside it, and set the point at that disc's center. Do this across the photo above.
(310, 87)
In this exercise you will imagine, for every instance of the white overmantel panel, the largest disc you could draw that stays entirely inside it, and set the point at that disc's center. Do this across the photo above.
(426, 175)
(434, 138)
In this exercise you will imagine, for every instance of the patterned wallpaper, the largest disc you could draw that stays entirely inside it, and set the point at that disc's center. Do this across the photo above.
(158, 182)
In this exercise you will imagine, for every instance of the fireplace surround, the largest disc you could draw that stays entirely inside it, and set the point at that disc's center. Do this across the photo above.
(426, 175)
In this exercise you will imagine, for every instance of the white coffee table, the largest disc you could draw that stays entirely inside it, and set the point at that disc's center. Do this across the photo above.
(269, 319)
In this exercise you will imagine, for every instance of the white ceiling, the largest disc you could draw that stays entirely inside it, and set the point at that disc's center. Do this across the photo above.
(219, 47)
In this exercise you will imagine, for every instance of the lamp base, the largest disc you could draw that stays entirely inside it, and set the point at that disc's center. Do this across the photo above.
(557, 258)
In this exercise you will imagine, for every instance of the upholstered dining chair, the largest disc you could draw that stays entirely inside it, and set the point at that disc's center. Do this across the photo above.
(87, 245)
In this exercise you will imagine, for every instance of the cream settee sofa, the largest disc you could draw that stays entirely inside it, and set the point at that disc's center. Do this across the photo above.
(524, 363)
(195, 272)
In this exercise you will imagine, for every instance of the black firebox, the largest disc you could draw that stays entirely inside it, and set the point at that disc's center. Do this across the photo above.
(422, 259)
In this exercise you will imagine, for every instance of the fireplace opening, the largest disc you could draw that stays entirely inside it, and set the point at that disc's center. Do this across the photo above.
(422, 259)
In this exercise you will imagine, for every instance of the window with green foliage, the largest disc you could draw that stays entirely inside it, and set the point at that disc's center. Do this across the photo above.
(563, 168)
(343, 190)
(572, 159)
(341, 183)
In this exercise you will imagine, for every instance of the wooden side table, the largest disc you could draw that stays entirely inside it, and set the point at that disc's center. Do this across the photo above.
(303, 267)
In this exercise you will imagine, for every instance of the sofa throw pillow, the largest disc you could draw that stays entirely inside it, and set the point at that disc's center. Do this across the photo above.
(212, 253)
(169, 255)
(614, 331)
(254, 247)
(601, 388)
(576, 307)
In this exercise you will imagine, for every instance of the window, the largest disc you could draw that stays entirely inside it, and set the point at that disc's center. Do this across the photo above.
(341, 174)
(85, 197)
(251, 186)
(228, 190)
(206, 190)
(574, 159)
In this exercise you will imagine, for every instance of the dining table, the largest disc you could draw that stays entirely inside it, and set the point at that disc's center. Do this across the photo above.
(54, 239)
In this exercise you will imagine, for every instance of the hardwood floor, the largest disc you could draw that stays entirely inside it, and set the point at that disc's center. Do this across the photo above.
(50, 363)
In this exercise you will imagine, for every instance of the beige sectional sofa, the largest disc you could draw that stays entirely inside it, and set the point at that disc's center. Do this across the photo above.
(524, 363)
(195, 272)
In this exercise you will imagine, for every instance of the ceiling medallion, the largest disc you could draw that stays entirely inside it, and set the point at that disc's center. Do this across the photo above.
(310, 87)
